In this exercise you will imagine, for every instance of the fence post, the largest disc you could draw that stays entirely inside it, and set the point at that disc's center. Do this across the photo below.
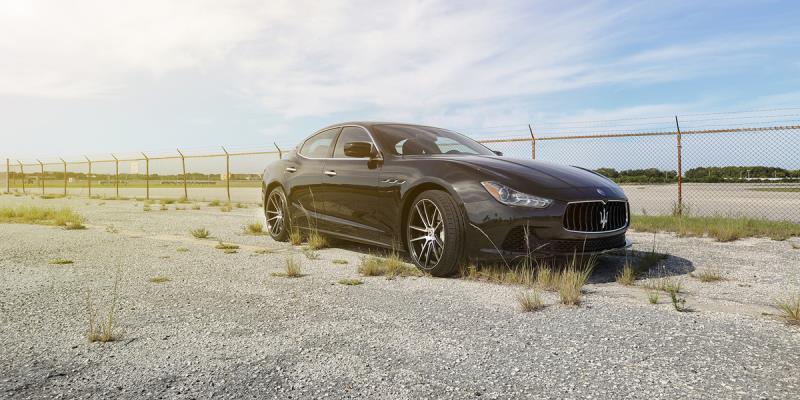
(116, 173)
(533, 143)
(65, 176)
(227, 172)
(8, 175)
(89, 175)
(146, 176)
(22, 172)
(280, 152)
(680, 168)
(183, 163)
(41, 174)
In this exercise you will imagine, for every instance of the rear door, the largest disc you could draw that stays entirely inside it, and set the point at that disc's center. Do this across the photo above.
(304, 177)
(351, 191)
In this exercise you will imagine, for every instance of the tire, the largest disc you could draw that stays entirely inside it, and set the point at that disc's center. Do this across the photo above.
(277, 215)
(438, 251)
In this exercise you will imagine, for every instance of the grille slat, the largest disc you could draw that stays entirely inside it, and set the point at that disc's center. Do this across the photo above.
(587, 216)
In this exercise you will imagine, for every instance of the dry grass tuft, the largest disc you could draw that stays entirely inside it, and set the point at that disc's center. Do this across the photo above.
(60, 261)
(627, 276)
(679, 303)
(158, 279)
(102, 331)
(146, 208)
(316, 241)
(790, 308)
(652, 297)
(709, 275)
(546, 278)
(241, 205)
(225, 246)
(391, 266)
(667, 284)
(571, 282)
(264, 251)
(182, 249)
(351, 282)
(530, 301)
(292, 270)
(339, 261)
(230, 251)
(164, 207)
(195, 206)
(167, 201)
(295, 237)
(42, 216)
(256, 228)
(214, 203)
(226, 208)
(200, 233)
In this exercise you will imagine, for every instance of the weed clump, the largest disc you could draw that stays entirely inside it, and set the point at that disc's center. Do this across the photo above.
(530, 301)
(200, 233)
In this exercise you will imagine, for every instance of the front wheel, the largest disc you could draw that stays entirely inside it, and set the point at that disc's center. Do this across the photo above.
(435, 233)
(275, 211)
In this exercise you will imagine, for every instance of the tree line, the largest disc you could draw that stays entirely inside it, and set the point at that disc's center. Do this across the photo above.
(701, 174)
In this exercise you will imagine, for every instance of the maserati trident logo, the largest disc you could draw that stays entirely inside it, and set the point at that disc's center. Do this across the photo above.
(604, 218)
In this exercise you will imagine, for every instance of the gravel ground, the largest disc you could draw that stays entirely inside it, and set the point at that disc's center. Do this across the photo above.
(223, 327)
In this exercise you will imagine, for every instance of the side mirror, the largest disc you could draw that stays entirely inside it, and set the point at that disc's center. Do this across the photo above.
(359, 149)
(499, 153)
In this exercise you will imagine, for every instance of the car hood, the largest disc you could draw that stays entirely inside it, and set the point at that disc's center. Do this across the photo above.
(543, 178)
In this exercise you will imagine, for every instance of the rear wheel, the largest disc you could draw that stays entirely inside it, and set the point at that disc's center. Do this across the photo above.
(275, 210)
(435, 233)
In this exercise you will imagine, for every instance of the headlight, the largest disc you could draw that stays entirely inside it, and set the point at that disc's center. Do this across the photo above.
(511, 197)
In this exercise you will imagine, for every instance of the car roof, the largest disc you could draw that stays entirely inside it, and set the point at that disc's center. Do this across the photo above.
(369, 124)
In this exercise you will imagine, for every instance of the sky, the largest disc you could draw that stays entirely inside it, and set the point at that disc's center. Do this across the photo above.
(94, 77)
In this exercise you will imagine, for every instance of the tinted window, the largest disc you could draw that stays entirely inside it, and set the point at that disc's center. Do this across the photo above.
(425, 140)
(319, 145)
(350, 134)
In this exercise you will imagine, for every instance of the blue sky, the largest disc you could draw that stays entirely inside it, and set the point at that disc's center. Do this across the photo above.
(90, 77)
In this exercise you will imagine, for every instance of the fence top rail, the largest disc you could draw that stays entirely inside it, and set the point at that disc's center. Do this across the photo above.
(644, 134)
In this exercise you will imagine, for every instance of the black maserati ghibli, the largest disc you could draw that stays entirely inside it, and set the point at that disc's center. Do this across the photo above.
(441, 196)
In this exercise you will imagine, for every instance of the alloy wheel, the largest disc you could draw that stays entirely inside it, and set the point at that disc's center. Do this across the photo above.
(426, 234)
(274, 213)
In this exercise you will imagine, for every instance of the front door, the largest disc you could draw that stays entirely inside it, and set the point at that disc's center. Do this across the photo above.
(350, 192)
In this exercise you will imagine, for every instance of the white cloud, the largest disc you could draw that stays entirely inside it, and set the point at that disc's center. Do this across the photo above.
(454, 62)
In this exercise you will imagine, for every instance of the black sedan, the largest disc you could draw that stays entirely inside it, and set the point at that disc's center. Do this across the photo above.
(442, 197)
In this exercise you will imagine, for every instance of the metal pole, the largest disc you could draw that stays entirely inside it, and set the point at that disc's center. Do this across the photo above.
(147, 175)
(183, 163)
(680, 168)
(89, 176)
(8, 175)
(227, 173)
(533, 142)
(22, 172)
(65, 176)
(41, 175)
(280, 153)
(116, 173)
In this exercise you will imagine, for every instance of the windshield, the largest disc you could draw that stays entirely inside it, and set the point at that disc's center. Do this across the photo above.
(408, 140)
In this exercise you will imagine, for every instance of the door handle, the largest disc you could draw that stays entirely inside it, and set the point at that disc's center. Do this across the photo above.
(291, 169)
(330, 173)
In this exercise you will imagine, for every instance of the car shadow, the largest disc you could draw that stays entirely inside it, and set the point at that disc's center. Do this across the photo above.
(610, 265)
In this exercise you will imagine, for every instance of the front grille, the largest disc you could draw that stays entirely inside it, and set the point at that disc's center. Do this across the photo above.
(589, 216)
(515, 241)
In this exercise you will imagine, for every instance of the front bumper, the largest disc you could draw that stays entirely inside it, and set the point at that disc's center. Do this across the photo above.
(498, 232)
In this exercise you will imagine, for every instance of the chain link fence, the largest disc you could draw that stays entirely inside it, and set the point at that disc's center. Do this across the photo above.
(696, 167)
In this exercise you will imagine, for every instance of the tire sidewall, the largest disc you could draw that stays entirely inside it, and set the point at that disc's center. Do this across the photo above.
(284, 235)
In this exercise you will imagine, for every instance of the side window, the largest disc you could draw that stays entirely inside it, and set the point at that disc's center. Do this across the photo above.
(319, 145)
(350, 134)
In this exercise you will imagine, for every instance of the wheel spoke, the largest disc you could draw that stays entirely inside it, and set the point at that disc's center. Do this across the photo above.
(418, 238)
(421, 217)
(416, 228)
